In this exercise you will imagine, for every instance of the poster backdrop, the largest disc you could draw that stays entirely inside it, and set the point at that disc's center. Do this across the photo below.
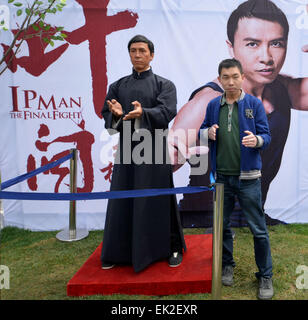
(51, 98)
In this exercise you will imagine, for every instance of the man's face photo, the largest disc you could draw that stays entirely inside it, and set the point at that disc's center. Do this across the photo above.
(231, 80)
(261, 48)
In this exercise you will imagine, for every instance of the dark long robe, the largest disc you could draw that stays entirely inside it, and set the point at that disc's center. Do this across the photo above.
(139, 231)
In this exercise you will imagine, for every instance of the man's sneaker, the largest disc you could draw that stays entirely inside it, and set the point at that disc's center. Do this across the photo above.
(227, 275)
(176, 259)
(266, 290)
(107, 265)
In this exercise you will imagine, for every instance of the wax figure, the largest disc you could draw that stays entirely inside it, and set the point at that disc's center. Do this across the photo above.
(139, 231)
(238, 130)
(257, 36)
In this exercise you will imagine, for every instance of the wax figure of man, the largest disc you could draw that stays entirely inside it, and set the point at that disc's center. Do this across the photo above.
(257, 36)
(142, 230)
(238, 130)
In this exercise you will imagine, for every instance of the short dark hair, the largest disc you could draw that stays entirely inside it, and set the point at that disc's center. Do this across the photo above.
(230, 63)
(261, 9)
(141, 38)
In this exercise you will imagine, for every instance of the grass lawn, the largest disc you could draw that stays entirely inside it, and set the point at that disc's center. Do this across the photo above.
(40, 265)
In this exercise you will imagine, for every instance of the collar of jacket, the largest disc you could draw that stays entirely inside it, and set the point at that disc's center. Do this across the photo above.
(223, 98)
(142, 75)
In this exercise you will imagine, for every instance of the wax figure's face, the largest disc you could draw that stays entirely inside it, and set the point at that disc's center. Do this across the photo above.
(231, 80)
(140, 56)
(260, 47)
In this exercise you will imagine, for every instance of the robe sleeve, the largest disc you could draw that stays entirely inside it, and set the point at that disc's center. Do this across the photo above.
(159, 116)
(110, 121)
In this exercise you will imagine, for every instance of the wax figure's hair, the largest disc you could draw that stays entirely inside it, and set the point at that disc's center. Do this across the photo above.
(261, 9)
(230, 63)
(141, 38)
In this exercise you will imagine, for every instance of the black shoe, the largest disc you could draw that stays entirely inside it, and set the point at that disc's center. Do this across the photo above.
(227, 275)
(266, 290)
(176, 259)
(107, 265)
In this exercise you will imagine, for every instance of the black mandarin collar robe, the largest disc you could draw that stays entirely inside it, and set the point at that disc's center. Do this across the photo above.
(138, 231)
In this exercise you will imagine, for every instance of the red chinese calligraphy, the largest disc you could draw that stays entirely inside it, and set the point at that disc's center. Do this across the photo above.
(108, 171)
(38, 60)
(95, 30)
(83, 141)
(109, 168)
(97, 26)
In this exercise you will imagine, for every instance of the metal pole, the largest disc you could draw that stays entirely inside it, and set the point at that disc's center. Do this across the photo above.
(217, 240)
(73, 189)
(72, 234)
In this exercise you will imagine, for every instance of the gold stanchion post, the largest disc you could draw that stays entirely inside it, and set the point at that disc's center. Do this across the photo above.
(73, 189)
(217, 240)
(72, 234)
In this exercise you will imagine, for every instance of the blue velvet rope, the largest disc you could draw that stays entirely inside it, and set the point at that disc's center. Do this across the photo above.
(28, 175)
(102, 195)
(212, 179)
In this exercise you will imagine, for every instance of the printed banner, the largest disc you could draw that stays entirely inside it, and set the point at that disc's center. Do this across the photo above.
(51, 98)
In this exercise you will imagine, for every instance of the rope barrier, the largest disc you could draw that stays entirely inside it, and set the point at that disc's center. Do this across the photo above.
(35, 172)
(73, 234)
(86, 196)
(101, 195)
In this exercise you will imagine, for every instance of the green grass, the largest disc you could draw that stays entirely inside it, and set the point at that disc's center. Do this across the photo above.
(40, 265)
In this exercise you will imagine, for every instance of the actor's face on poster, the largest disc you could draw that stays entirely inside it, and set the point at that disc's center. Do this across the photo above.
(261, 48)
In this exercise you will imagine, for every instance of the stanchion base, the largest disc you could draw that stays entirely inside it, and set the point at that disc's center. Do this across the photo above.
(64, 235)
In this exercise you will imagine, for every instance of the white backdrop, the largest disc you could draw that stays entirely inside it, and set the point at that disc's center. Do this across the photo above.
(189, 38)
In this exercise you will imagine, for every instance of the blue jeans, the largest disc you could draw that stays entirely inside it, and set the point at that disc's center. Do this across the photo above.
(248, 193)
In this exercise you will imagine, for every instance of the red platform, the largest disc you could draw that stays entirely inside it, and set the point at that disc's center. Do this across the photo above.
(192, 276)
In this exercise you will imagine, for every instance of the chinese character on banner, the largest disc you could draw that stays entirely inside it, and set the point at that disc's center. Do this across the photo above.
(38, 60)
(109, 168)
(82, 139)
(97, 26)
(108, 171)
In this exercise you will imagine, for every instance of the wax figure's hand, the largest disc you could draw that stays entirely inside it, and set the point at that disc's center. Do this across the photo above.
(212, 131)
(249, 141)
(136, 113)
(115, 108)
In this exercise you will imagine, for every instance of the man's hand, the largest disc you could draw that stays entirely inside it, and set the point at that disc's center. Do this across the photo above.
(115, 108)
(136, 113)
(305, 47)
(178, 151)
(250, 141)
(212, 131)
